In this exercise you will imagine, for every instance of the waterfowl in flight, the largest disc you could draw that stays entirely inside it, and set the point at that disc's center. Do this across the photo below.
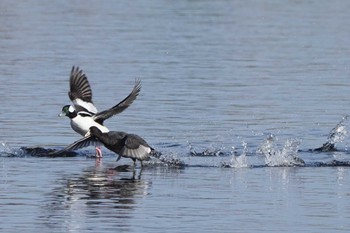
(125, 145)
(83, 114)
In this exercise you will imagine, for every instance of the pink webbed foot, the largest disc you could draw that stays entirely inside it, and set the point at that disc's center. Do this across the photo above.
(98, 152)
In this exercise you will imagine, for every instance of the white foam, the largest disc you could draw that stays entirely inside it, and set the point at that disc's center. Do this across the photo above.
(241, 160)
(287, 156)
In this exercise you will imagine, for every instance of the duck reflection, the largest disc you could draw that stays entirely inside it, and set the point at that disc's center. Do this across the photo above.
(109, 183)
(98, 192)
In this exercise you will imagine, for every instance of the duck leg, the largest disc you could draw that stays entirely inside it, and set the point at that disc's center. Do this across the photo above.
(98, 152)
(134, 162)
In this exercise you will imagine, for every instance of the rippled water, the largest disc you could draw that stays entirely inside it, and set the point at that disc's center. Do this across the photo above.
(236, 95)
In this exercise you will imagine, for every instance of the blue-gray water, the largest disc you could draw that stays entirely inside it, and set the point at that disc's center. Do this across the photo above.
(236, 91)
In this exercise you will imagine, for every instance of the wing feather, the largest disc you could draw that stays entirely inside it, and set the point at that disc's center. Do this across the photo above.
(82, 143)
(80, 91)
(121, 106)
(136, 147)
(133, 141)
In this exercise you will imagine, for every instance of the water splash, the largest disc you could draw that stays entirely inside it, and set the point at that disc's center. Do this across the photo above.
(208, 152)
(167, 158)
(275, 157)
(336, 135)
(339, 132)
(171, 160)
(241, 160)
(237, 161)
(7, 151)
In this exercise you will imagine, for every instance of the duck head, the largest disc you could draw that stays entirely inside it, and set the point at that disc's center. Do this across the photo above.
(69, 111)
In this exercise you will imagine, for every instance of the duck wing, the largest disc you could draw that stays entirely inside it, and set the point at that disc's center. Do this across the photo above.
(80, 91)
(136, 147)
(121, 106)
(82, 143)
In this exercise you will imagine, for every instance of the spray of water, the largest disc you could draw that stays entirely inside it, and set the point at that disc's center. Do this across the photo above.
(337, 134)
(6, 150)
(287, 156)
(241, 160)
(171, 161)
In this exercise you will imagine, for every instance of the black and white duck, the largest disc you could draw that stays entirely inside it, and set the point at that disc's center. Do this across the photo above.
(83, 114)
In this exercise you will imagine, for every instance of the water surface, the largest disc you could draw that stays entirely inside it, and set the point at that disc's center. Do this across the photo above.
(234, 92)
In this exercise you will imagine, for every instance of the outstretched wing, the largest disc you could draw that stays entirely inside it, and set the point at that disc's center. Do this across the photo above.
(80, 91)
(120, 107)
(82, 143)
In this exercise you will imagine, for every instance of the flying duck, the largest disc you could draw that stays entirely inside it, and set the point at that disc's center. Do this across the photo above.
(125, 145)
(83, 114)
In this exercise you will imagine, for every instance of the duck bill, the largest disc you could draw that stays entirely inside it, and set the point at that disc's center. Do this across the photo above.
(62, 114)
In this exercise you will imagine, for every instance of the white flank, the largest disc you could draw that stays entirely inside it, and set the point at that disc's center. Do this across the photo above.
(81, 125)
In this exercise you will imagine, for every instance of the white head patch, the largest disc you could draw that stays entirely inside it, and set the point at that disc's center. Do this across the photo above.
(71, 109)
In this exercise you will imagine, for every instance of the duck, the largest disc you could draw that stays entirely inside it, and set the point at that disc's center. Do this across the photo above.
(83, 113)
(124, 144)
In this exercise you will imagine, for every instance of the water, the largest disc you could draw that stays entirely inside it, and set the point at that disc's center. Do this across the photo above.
(236, 95)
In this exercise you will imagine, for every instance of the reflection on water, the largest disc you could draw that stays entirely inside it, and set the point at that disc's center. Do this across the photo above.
(97, 193)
